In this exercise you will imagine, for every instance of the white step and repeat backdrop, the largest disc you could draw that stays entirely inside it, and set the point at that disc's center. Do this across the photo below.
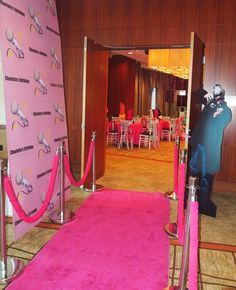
(34, 100)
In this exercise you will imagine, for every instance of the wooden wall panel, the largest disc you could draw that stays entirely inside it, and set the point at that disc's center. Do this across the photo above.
(156, 23)
(227, 171)
(71, 57)
(96, 104)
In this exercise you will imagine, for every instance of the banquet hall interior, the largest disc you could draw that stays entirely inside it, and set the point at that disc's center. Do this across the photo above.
(125, 99)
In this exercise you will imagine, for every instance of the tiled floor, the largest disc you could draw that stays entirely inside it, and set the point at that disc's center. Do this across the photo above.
(152, 171)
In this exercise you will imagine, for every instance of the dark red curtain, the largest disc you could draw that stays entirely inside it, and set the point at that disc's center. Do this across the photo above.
(131, 85)
(122, 72)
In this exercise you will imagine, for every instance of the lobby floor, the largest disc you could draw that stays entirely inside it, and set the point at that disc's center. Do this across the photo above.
(152, 171)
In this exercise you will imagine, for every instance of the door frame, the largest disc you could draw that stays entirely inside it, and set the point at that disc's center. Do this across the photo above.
(189, 95)
(110, 48)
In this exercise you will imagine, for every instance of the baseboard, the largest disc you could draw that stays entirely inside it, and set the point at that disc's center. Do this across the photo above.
(224, 187)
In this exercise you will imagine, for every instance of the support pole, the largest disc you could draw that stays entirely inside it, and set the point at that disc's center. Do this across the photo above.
(172, 228)
(63, 215)
(193, 181)
(93, 187)
(10, 268)
(173, 195)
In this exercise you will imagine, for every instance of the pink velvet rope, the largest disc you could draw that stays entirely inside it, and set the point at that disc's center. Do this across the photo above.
(176, 151)
(15, 203)
(88, 165)
(181, 189)
(193, 253)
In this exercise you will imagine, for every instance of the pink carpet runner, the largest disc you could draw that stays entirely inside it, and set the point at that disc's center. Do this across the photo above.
(116, 242)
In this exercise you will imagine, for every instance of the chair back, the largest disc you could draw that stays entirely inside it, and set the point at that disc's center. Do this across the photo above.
(154, 128)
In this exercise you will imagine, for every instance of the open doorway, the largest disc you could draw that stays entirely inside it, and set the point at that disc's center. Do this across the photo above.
(137, 89)
(135, 77)
(95, 83)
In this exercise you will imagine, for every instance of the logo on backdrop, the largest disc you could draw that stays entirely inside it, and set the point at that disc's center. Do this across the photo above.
(55, 62)
(50, 8)
(45, 145)
(60, 117)
(41, 86)
(22, 120)
(15, 48)
(50, 204)
(36, 26)
(24, 183)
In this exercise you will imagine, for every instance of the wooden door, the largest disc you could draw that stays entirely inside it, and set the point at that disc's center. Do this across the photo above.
(194, 84)
(94, 103)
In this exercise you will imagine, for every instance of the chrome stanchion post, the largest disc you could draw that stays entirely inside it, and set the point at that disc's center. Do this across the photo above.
(192, 197)
(172, 228)
(193, 181)
(3, 252)
(63, 215)
(93, 186)
(10, 268)
(172, 194)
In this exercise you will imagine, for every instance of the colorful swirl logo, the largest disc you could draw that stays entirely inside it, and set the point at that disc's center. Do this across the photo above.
(55, 62)
(16, 48)
(22, 120)
(35, 26)
(41, 86)
(50, 8)
(45, 149)
(23, 182)
(50, 204)
(60, 117)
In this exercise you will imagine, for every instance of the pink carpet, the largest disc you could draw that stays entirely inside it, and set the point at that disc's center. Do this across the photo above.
(116, 242)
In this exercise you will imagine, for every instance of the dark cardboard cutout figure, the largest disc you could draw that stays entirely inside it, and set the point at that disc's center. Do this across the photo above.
(206, 143)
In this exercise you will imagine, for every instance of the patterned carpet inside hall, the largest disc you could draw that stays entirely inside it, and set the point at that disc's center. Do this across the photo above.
(163, 153)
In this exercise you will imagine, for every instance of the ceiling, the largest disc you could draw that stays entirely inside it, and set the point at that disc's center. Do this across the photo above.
(142, 56)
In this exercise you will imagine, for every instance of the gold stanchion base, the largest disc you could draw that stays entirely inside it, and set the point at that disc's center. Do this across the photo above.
(94, 187)
(14, 268)
(172, 230)
(171, 195)
(59, 218)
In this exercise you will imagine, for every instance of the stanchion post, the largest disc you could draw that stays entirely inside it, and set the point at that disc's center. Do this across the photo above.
(3, 251)
(172, 228)
(192, 197)
(93, 186)
(10, 268)
(193, 181)
(63, 215)
(173, 194)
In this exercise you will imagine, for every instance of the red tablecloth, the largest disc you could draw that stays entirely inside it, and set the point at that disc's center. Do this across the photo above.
(133, 130)
(136, 129)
